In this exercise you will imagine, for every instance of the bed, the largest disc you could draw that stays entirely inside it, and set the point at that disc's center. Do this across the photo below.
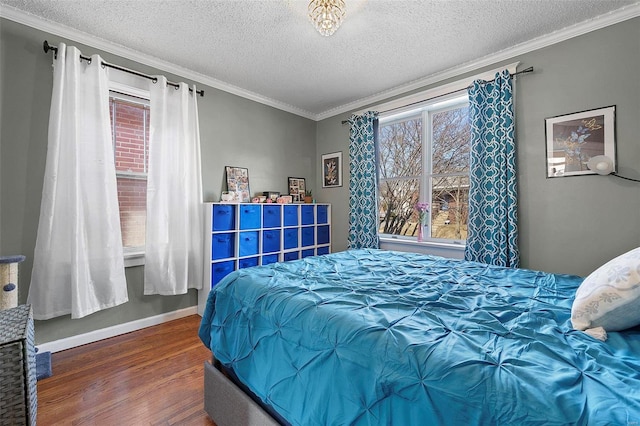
(372, 337)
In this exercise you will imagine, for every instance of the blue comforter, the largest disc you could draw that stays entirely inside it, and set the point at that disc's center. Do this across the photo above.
(373, 337)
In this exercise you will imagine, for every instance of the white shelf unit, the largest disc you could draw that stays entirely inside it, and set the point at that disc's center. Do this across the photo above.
(250, 234)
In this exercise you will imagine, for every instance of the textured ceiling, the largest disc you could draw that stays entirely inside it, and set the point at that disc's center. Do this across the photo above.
(269, 51)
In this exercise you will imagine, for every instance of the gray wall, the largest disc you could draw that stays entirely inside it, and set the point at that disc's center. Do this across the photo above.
(567, 225)
(234, 131)
(571, 224)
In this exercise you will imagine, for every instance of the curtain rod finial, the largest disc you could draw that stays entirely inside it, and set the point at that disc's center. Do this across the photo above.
(47, 47)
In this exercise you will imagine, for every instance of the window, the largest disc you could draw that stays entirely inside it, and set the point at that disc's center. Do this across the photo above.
(423, 156)
(130, 130)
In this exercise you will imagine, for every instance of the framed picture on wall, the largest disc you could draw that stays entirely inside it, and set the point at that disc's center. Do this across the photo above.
(332, 170)
(572, 139)
(238, 183)
(297, 189)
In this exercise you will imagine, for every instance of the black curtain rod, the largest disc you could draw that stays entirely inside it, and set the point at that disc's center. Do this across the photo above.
(524, 71)
(47, 47)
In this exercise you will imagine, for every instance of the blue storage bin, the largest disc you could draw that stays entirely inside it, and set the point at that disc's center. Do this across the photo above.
(271, 216)
(270, 241)
(291, 215)
(248, 262)
(219, 270)
(323, 234)
(222, 246)
(308, 236)
(307, 215)
(290, 238)
(292, 255)
(223, 217)
(249, 216)
(248, 243)
(308, 252)
(323, 250)
(269, 259)
(323, 214)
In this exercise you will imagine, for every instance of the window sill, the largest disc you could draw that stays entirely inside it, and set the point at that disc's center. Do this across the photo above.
(450, 250)
(133, 257)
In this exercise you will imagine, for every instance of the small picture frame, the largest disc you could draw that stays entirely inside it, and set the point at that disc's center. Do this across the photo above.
(297, 189)
(572, 139)
(238, 184)
(332, 170)
(271, 195)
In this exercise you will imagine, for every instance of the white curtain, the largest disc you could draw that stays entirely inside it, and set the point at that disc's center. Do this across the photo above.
(78, 264)
(174, 252)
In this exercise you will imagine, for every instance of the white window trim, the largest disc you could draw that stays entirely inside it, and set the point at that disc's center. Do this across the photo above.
(133, 256)
(444, 249)
(129, 85)
(131, 89)
(424, 113)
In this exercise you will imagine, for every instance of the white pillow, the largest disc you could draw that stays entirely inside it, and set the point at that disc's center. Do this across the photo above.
(610, 296)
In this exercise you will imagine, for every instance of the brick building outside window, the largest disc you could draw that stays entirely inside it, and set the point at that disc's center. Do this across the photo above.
(130, 130)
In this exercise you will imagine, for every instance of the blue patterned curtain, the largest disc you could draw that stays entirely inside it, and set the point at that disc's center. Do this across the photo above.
(493, 231)
(363, 191)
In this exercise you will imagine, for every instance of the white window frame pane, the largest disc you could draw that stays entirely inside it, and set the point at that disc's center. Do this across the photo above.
(413, 116)
(456, 103)
(426, 112)
(133, 255)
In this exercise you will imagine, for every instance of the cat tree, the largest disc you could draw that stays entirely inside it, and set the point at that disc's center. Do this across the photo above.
(9, 281)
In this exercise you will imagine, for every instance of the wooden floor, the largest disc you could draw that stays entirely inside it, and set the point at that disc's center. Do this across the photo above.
(152, 376)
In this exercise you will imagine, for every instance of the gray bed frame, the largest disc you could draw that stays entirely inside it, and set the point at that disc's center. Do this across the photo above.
(227, 404)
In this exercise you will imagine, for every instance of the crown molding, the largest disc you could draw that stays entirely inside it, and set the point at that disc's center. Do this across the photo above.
(16, 15)
(602, 21)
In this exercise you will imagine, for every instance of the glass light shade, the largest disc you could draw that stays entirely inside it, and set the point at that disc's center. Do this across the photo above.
(601, 164)
(326, 15)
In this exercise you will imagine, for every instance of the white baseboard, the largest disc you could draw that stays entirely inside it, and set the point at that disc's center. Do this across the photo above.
(116, 330)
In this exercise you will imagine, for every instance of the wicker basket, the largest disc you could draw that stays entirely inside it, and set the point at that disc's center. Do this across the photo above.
(18, 395)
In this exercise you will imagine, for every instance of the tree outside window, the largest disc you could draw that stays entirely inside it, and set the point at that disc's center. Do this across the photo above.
(424, 157)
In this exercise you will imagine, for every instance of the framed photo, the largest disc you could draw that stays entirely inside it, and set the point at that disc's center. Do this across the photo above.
(332, 170)
(271, 195)
(572, 139)
(297, 189)
(238, 184)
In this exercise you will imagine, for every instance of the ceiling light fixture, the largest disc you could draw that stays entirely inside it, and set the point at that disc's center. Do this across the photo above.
(326, 15)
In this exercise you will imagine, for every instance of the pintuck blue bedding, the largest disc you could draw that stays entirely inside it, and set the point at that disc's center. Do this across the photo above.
(373, 337)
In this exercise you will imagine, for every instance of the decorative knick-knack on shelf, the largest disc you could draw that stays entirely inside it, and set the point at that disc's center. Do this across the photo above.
(423, 210)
